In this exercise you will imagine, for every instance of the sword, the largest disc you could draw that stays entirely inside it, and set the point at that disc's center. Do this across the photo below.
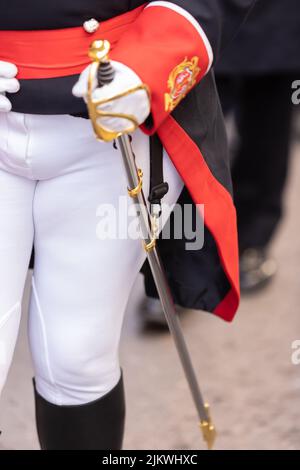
(102, 72)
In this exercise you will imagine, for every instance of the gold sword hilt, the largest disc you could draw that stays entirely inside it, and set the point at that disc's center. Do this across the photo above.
(208, 429)
(101, 73)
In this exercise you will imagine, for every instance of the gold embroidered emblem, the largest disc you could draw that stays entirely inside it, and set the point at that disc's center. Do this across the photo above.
(180, 82)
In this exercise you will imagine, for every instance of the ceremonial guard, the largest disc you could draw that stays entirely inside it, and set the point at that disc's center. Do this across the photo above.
(54, 176)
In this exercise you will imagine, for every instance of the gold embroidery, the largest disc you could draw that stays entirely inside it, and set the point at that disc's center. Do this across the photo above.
(181, 81)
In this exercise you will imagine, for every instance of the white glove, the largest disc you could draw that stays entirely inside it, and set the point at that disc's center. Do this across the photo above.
(8, 83)
(135, 104)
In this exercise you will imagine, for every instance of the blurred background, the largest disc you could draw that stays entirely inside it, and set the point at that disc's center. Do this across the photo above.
(245, 368)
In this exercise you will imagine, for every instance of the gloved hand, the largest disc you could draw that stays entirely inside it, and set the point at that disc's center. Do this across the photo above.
(136, 104)
(8, 83)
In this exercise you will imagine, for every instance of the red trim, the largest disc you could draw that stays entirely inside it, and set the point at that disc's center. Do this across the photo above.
(157, 43)
(220, 215)
(58, 52)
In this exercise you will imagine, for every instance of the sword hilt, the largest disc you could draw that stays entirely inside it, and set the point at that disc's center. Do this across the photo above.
(103, 73)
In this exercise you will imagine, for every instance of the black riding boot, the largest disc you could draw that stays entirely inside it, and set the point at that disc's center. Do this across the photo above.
(98, 425)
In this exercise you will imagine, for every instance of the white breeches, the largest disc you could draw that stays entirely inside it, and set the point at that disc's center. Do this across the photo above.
(54, 180)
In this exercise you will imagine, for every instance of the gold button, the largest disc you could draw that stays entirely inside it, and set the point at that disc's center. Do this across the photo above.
(91, 26)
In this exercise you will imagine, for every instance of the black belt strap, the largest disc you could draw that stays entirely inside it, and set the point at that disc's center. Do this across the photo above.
(158, 188)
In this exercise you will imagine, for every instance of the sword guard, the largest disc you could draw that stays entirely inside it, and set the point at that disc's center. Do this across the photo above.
(208, 429)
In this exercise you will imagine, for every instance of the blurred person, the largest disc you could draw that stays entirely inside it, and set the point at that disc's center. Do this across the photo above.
(54, 175)
(254, 78)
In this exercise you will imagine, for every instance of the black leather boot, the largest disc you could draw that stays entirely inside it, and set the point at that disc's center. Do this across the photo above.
(98, 425)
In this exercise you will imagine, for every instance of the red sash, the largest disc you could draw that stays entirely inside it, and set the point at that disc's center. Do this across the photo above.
(58, 52)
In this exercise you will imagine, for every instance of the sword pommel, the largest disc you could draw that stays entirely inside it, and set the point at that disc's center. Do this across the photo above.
(99, 51)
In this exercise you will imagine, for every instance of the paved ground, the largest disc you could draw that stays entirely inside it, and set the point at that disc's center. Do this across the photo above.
(245, 368)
